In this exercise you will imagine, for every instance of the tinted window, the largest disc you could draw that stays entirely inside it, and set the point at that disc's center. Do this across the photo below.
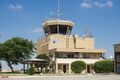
(53, 29)
(62, 29)
(46, 30)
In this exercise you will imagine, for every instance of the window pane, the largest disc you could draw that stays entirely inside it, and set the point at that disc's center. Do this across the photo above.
(62, 29)
(69, 30)
(46, 30)
(53, 29)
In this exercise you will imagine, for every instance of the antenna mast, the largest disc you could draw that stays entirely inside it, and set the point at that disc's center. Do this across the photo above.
(58, 8)
(86, 32)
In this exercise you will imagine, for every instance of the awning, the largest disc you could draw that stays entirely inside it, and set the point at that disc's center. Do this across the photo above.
(34, 60)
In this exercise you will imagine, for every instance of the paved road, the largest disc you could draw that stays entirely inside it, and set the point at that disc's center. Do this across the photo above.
(71, 77)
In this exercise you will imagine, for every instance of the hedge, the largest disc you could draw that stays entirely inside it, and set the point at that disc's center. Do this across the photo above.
(104, 66)
(78, 66)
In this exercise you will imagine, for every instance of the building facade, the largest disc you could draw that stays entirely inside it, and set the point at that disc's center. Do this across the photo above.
(64, 48)
(117, 58)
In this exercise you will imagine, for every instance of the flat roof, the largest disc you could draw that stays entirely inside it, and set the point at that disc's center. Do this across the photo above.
(34, 60)
(79, 50)
(57, 22)
(117, 47)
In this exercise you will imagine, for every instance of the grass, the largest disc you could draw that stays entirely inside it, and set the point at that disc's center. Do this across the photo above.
(11, 73)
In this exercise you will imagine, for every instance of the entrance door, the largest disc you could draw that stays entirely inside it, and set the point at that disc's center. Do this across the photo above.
(88, 69)
(64, 68)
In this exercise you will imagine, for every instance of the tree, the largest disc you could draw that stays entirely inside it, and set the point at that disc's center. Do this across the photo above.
(78, 66)
(14, 50)
(44, 65)
(45, 57)
(104, 66)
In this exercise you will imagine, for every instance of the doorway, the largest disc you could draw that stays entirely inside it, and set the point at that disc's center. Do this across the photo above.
(64, 68)
(88, 68)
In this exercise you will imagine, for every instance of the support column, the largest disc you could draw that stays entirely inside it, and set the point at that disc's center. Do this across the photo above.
(58, 29)
(54, 62)
(86, 68)
(69, 68)
(53, 56)
(56, 68)
(27, 66)
(24, 67)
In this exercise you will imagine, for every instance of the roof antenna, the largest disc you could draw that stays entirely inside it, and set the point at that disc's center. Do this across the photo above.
(86, 32)
(58, 8)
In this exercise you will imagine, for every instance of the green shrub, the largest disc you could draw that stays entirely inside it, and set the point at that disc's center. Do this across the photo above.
(31, 71)
(104, 66)
(78, 66)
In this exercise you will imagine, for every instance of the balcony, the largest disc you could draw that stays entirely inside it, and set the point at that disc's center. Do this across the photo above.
(70, 60)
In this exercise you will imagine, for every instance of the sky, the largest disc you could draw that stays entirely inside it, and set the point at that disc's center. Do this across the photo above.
(24, 18)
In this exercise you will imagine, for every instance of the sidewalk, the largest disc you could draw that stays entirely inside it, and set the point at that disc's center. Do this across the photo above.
(57, 75)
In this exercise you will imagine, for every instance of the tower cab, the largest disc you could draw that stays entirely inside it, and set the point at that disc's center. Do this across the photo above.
(57, 26)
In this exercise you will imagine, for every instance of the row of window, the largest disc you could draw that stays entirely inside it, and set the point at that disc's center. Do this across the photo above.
(53, 29)
(76, 55)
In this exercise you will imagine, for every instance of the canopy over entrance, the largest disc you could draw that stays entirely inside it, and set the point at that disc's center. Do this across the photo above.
(29, 62)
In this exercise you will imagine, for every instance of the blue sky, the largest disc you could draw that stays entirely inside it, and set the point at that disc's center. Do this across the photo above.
(24, 18)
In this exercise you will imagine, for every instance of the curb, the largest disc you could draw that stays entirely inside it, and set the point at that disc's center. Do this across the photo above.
(4, 76)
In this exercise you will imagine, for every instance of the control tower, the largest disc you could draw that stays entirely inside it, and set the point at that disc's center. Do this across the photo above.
(64, 48)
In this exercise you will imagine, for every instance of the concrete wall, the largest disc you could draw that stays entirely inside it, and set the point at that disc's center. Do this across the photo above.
(89, 43)
(42, 46)
(64, 41)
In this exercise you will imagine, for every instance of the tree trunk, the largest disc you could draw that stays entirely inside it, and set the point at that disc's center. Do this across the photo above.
(10, 66)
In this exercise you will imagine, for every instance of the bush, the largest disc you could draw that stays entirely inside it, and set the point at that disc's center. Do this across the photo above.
(78, 66)
(104, 66)
(31, 71)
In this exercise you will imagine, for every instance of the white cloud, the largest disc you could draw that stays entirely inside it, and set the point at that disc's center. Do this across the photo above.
(15, 6)
(109, 3)
(91, 4)
(38, 30)
(86, 5)
(102, 5)
(99, 4)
